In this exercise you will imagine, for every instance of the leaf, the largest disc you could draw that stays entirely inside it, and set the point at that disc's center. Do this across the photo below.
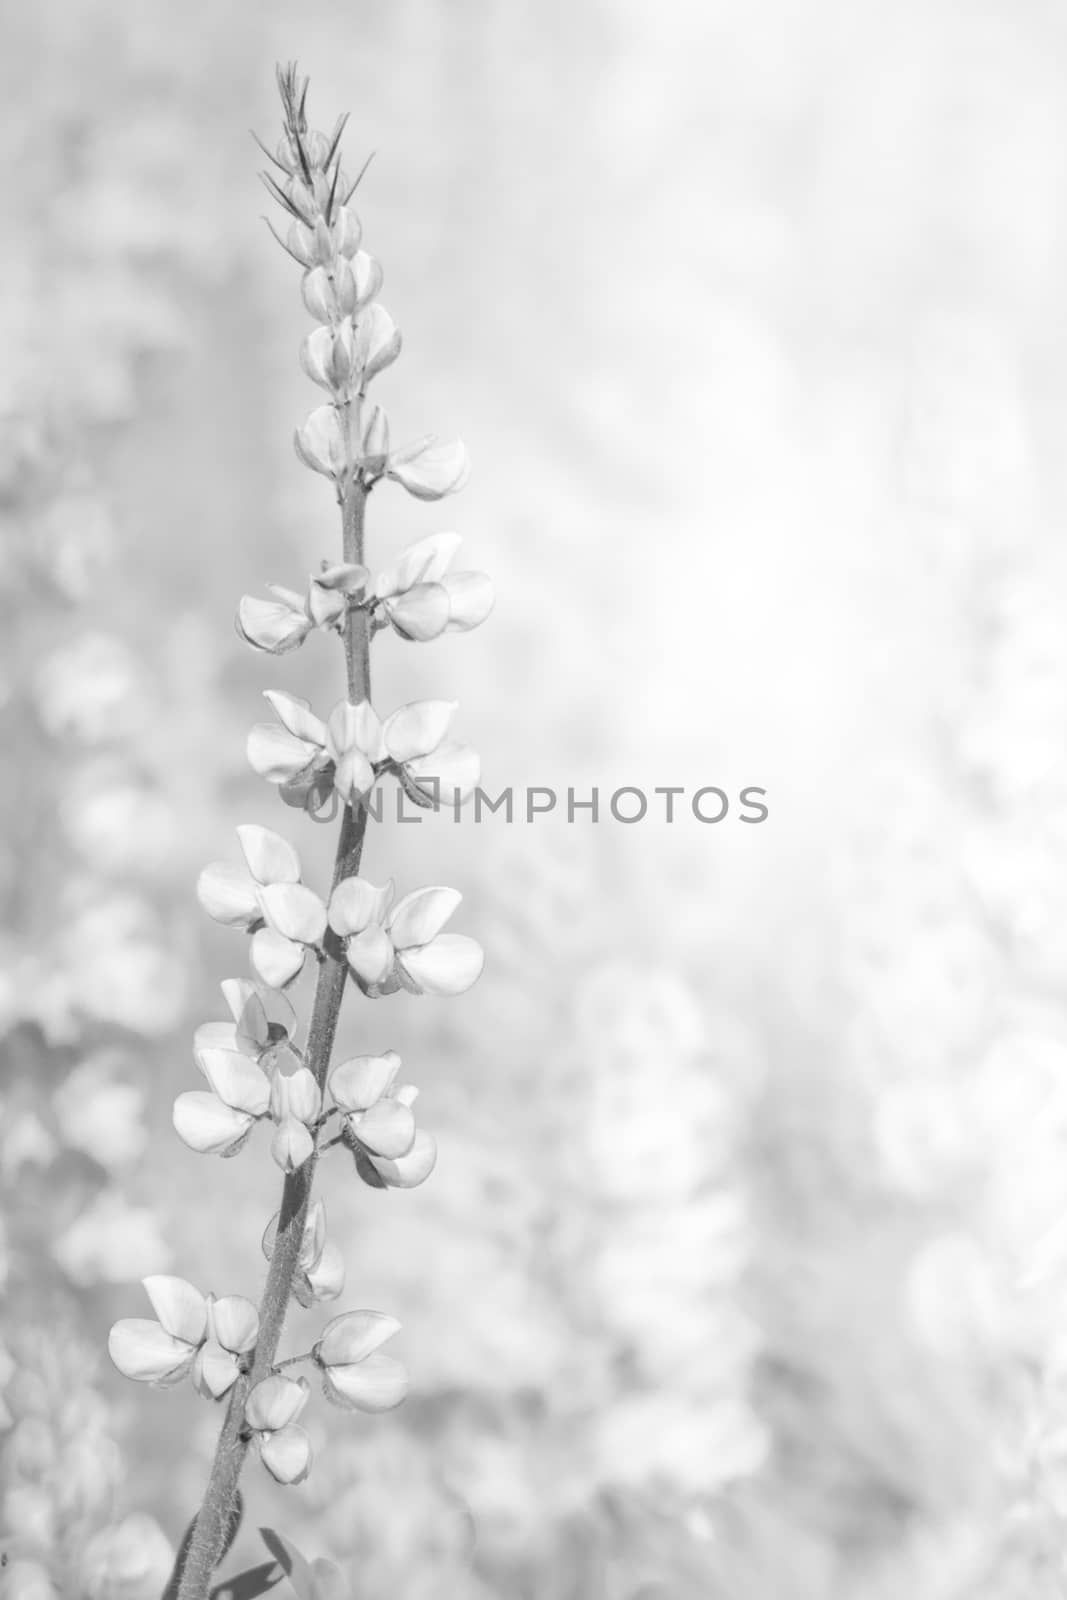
(246, 1585)
(296, 1567)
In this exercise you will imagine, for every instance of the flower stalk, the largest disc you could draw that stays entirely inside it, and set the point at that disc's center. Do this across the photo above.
(254, 1066)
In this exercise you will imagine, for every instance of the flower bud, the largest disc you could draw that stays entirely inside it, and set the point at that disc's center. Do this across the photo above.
(320, 443)
(377, 342)
(301, 242)
(347, 231)
(367, 274)
(421, 613)
(374, 443)
(271, 625)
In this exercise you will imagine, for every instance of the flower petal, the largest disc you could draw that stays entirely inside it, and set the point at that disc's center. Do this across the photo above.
(275, 1402)
(294, 911)
(361, 1080)
(377, 341)
(432, 470)
(276, 755)
(326, 1279)
(215, 1370)
(292, 1144)
(370, 954)
(228, 894)
(287, 1454)
(426, 561)
(421, 915)
(417, 729)
(387, 1129)
(450, 964)
(180, 1308)
(208, 1126)
(320, 443)
(420, 613)
(235, 1321)
(237, 1080)
(470, 597)
(296, 716)
(270, 858)
(449, 773)
(142, 1350)
(271, 625)
(377, 1383)
(353, 1335)
(356, 902)
(275, 959)
(213, 1036)
(410, 1170)
(296, 1095)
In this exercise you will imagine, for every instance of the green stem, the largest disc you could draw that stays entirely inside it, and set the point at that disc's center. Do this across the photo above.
(213, 1518)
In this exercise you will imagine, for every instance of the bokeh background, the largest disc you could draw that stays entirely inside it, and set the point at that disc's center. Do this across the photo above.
(742, 1273)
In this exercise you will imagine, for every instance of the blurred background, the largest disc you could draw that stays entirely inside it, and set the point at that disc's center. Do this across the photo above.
(742, 1273)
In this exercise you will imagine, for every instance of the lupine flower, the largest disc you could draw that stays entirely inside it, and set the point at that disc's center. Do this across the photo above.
(282, 624)
(403, 947)
(295, 1105)
(194, 1334)
(320, 1267)
(354, 748)
(262, 1027)
(271, 1411)
(421, 599)
(379, 1124)
(233, 1328)
(219, 1121)
(355, 1374)
(284, 917)
(430, 470)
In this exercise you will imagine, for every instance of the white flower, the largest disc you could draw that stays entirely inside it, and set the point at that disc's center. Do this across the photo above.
(320, 1266)
(354, 748)
(129, 1561)
(403, 947)
(356, 1376)
(282, 624)
(285, 918)
(193, 1333)
(422, 599)
(321, 443)
(271, 1411)
(263, 1025)
(429, 470)
(379, 1123)
(295, 1105)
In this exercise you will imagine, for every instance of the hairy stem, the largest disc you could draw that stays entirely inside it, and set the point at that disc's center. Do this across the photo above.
(213, 1518)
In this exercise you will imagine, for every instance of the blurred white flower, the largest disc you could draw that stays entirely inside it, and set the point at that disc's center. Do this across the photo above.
(92, 689)
(29, 1580)
(117, 822)
(118, 966)
(131, 1561)
(111, 1241)
(100, 1114)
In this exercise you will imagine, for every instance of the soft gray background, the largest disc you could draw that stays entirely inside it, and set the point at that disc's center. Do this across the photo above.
(740, 1274)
